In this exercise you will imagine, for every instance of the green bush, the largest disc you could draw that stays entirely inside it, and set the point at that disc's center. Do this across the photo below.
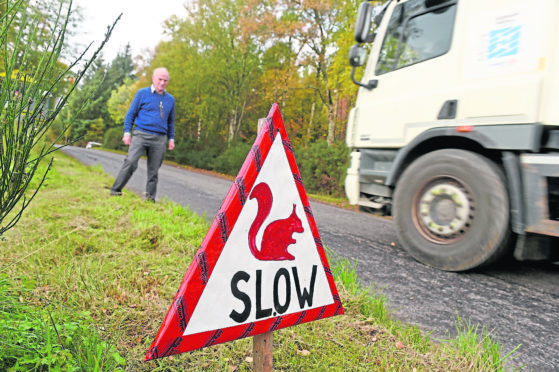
(231, 160)
(34, 87)
(113, 139)
(323, 167)
(180, 152)
(196, 154)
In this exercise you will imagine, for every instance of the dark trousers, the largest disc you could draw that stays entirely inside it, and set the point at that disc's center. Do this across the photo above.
(154, 147)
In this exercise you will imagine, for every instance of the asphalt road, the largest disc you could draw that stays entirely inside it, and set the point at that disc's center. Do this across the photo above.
(518, 303)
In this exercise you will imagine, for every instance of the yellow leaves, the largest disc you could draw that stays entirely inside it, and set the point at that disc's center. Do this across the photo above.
(320, 5)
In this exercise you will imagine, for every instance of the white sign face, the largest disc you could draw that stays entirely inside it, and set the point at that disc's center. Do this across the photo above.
(269, 265)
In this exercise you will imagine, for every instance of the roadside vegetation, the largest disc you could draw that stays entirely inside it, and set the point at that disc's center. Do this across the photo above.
(229, 61)
(34, 86)
(86, 281)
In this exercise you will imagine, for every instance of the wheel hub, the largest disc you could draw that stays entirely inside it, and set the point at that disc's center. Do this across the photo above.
(444, 210)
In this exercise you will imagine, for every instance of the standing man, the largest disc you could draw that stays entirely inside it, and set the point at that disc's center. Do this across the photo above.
(153, 114)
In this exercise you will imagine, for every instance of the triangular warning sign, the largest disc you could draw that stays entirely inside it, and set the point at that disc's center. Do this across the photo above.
(262, 266)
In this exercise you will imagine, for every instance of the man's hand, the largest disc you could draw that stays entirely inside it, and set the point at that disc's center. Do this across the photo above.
(171, 144)
(126, 139)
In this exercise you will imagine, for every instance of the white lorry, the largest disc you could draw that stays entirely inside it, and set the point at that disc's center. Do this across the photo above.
(455, 130)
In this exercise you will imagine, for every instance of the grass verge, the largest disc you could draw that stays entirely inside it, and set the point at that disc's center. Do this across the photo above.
(86, 280)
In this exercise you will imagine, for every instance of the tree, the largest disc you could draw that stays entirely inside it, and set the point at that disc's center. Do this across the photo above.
(87, 104)
(219, 63)
(31, 98)
(90, 103)
(325, 26)
(120, 101)
(120, 72)
(29, 35)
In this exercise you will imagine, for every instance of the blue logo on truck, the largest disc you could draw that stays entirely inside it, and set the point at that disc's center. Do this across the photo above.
(504, 42)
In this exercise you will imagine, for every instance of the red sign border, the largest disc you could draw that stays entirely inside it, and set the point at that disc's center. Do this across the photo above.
(170, 339)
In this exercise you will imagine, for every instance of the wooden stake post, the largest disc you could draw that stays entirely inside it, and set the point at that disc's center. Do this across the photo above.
(262, 350)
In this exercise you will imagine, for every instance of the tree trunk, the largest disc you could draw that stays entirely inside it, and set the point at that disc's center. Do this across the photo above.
(232, 126)
(333, 115)
(331, 124)
(238, 127)
(309, 129)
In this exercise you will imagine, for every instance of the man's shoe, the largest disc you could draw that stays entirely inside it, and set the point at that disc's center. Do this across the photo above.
(116, 193)
(148, 197)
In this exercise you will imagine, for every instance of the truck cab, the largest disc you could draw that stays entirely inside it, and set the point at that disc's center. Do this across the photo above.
(455, 130)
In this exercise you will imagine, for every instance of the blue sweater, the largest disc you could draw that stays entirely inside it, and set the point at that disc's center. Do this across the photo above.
(152, 113)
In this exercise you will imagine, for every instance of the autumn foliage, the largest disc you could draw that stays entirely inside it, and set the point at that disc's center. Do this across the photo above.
(229, 61)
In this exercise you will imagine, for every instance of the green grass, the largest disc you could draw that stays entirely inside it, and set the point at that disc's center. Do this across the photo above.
(86, 281)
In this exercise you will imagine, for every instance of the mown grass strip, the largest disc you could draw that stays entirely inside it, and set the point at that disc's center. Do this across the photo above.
(87, 280)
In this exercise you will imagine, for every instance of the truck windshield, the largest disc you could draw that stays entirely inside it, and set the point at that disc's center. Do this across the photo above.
(415, 34)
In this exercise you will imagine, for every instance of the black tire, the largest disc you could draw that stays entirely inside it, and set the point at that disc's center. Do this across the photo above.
(451, 210)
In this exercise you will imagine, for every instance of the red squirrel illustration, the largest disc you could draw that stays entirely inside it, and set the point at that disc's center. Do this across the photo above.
(278, 234)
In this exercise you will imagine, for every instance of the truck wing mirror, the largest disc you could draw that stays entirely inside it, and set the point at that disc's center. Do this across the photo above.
(363, 23)
(372, 84)
(357, 56)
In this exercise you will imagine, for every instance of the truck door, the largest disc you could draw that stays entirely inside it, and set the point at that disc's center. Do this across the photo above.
(413, 73)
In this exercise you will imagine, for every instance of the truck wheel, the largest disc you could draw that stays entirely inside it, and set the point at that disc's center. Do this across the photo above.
(451, 210)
